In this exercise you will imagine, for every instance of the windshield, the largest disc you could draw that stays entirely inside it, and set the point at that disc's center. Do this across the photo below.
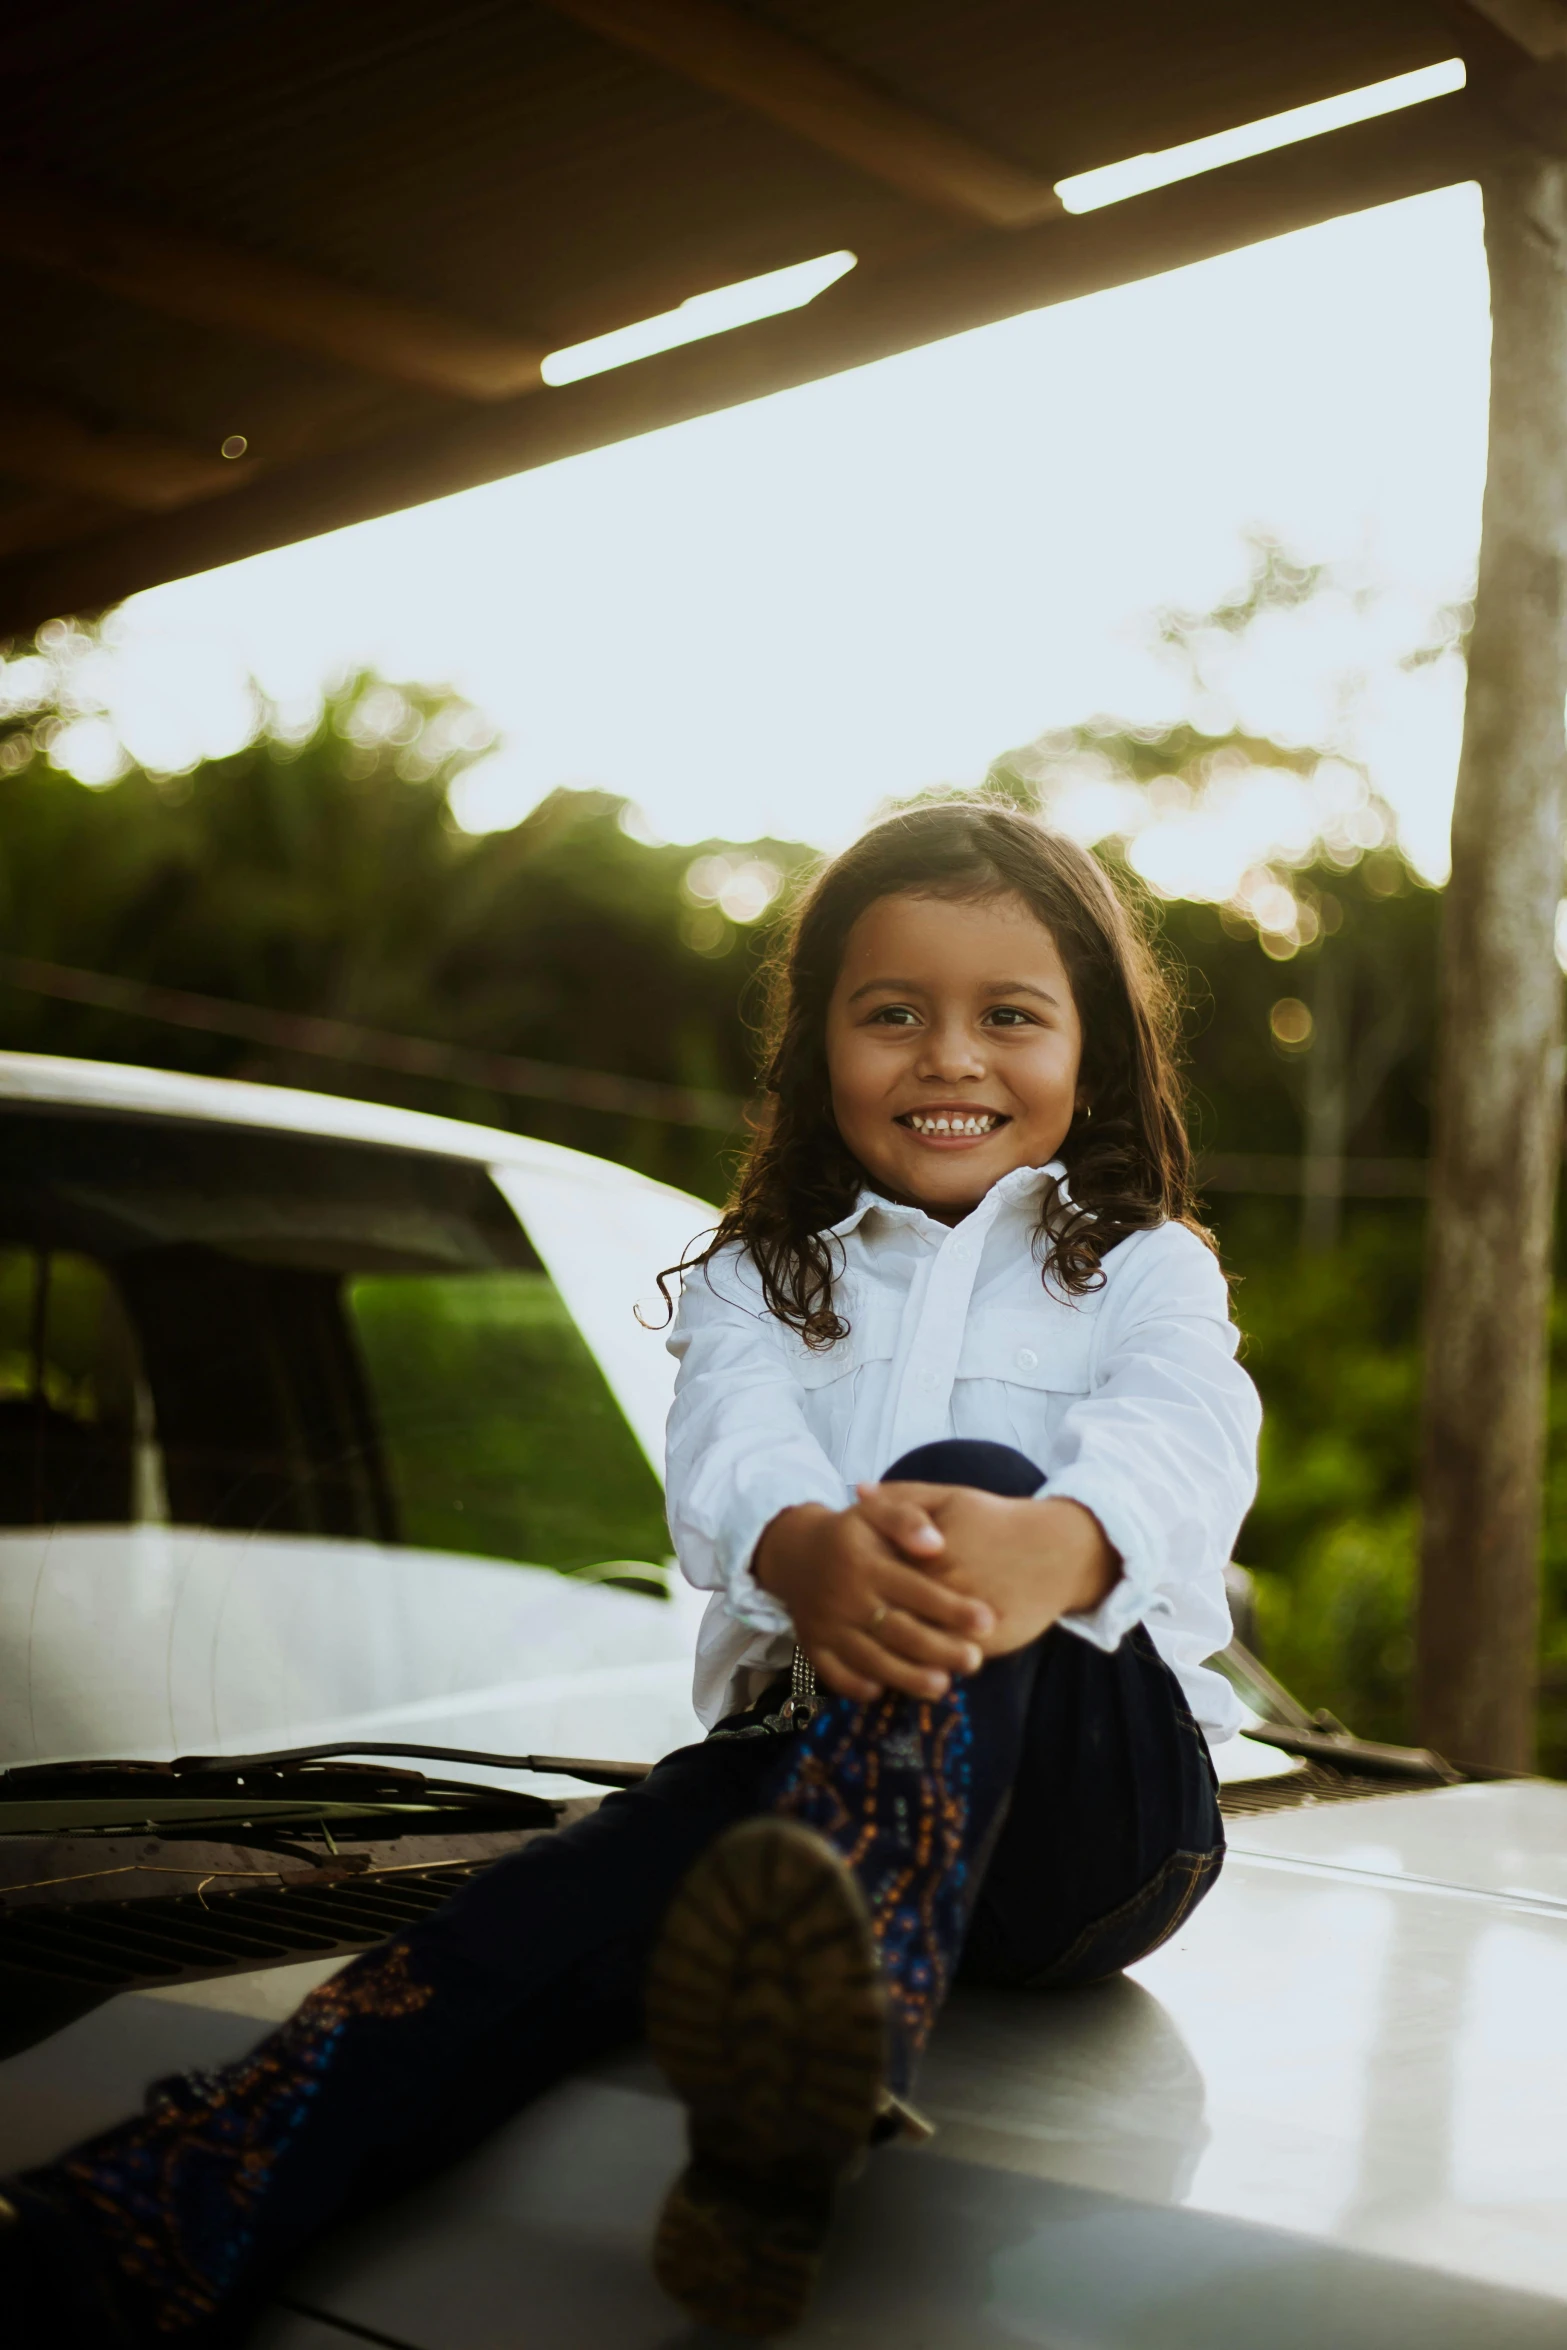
(248, 1331)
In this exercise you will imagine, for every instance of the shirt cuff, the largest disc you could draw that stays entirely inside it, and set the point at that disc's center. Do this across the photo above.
(1128, 1529)
(744, 1597)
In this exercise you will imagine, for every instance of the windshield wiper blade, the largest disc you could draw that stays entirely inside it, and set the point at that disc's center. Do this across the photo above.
(296, 1761)
(1360, 1754)
(559, 1766)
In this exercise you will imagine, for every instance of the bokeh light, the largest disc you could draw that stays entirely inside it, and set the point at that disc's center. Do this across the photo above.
(1291, 1023)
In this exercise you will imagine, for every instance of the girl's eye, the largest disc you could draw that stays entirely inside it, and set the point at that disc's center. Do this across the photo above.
(1009, 1016)
(894, 1016)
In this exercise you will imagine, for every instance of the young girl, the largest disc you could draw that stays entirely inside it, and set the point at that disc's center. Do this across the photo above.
(960, 1446)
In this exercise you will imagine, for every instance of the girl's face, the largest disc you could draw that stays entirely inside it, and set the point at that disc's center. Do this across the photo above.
(953, 1047)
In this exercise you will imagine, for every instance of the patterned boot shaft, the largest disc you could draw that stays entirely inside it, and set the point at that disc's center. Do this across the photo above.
(890, 1787)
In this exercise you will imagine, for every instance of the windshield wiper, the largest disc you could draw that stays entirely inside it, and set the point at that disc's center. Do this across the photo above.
(558, 1766)
(290, 1761)
(1348, 1753)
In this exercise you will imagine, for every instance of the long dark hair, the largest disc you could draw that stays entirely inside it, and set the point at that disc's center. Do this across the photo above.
(1128, 1165)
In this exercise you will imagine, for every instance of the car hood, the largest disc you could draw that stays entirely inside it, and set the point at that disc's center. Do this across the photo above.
(1328, 2111)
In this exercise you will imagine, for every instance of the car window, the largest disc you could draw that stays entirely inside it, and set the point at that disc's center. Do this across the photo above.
(264, 1332)
(497, 1427)
(74, 1412)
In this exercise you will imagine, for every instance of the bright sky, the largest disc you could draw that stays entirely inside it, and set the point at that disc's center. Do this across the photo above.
(772, 619)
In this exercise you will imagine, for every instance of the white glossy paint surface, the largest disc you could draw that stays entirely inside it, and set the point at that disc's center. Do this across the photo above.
(282, 1109)
(1509, 1837)
(1355, 2059)
(1381, 2065)
(1327, 2117)
(163, 1640)
(1328, 2114)
(1246, 1760)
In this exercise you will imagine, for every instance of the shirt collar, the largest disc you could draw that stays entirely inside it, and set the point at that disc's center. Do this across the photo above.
(1023, 1183)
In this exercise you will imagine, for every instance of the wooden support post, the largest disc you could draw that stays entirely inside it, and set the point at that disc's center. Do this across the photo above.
(1498, 1115)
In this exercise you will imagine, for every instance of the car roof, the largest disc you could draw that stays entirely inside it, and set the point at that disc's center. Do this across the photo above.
(124, 1089)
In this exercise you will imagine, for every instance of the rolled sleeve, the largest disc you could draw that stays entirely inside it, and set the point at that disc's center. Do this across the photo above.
(739, 1447)
(1139, 1590)
(1163, 1449)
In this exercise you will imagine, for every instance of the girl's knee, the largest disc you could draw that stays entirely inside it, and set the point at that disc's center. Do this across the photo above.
(968, 1460)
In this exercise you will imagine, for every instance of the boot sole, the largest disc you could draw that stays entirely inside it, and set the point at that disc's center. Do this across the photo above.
(766, 2014)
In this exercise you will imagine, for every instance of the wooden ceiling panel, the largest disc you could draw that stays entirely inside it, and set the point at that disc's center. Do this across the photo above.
(1065, 88)
(496, 157)
(120, 362)
(505, 182)
(524, 175)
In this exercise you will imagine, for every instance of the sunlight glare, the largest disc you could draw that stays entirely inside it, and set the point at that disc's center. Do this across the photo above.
(89, 749)
(1111, 183)
(174, 703)
(494, 794)
(698, 316)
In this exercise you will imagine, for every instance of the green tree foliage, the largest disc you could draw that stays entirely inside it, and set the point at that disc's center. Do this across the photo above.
(1332, 1340)
(1366, 981)
(324, 874)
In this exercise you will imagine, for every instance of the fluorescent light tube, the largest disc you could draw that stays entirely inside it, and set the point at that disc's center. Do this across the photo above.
(702, 315)
(1115, 181)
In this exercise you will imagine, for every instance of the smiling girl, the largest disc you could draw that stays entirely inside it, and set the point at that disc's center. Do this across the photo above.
(960, 1447)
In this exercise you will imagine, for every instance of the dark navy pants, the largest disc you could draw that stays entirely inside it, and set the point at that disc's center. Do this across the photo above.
(1089, 1827)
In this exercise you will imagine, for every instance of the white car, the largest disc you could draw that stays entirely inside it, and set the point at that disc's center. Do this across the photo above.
(326, 1426)
(322, 1420)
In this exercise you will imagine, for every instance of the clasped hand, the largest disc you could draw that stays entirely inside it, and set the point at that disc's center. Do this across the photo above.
(914, 1585)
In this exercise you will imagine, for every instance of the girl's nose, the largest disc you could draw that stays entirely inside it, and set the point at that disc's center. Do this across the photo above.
(950, 1054)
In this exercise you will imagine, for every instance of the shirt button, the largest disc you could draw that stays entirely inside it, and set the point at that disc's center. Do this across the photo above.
(928, 1380)
(960, 1251)
(1027, 1360)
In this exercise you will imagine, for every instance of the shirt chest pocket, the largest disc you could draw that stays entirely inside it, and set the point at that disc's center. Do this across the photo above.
(872, 1338)
(1044, 1351)
(837, 1380)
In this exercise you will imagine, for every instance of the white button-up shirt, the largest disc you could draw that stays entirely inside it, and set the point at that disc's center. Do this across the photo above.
(1129, 1400)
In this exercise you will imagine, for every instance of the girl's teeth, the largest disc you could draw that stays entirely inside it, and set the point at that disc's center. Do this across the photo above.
(950, 1125)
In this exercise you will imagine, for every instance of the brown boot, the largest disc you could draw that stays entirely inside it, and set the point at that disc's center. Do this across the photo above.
(765, 2011)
